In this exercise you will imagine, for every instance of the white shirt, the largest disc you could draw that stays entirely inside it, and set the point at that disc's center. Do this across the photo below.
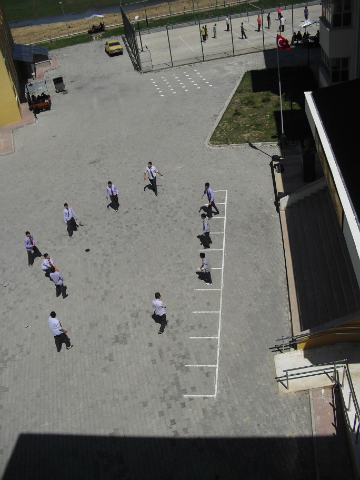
(57, 278)
(111, 191)
(152, 171)
(206, 264)
(46, 263)
(159, 307)
(55, 326)
(68, 214)
(282, 20)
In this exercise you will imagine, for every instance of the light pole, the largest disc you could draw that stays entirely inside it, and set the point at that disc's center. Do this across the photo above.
(65, 18)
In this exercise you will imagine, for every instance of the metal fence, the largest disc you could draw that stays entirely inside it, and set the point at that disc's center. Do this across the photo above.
(131, 40)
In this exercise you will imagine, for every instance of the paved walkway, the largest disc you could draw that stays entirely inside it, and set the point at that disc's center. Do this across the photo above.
(114, 406)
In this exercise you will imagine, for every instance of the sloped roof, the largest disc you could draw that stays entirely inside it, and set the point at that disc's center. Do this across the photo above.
(25, 53)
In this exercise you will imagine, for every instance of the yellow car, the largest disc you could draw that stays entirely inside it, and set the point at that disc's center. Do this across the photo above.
(113, 47)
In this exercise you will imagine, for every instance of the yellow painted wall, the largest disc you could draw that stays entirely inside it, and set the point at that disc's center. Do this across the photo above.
(9, 105)
(10, 111)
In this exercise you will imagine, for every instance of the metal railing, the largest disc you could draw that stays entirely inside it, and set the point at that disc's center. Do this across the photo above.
(333, 371)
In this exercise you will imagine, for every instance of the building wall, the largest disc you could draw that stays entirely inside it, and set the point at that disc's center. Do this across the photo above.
(10, 90)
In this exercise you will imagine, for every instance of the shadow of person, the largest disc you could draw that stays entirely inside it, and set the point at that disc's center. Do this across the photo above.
(111, 206)
(201, 276)
(149, 186)
(201, 238)
(204, 208)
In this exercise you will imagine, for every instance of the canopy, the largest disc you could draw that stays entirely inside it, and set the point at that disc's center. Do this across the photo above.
(25, 53)
(92, 16)
(307, 23)
(35, 87)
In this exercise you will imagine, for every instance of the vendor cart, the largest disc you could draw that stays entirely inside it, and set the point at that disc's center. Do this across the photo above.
(37, 97)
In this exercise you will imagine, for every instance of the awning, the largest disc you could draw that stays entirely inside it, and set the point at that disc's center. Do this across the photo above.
(92, 16)
(25, 53)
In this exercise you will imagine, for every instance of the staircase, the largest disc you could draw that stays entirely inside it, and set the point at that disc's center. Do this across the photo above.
(325, 282)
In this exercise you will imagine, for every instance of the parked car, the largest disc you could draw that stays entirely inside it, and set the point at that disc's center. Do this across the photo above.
(113, 47)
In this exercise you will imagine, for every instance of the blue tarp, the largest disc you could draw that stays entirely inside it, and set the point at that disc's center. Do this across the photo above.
(25, 53)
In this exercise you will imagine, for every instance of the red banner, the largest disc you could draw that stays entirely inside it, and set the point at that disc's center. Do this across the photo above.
(282, 43)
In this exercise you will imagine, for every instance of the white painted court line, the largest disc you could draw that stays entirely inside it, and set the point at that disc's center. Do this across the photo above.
(216, 381)
(210, 250)
(216, 233)
(215, 216)
(217, 268)
(212, 366)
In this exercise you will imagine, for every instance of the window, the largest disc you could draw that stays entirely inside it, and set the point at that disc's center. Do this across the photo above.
(342, 13)
(337, 69)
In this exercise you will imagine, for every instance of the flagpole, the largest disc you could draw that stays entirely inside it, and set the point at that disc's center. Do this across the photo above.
(281, 109)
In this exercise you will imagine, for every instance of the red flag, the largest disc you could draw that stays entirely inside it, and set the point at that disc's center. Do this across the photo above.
(282, 43)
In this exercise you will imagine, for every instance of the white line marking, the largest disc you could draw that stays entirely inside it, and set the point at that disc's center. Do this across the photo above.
(203, 337)
(207, 289)
(220, 203)
(216, 233)
(202, 396)
(213, 366)
(206, 311)
(215, 216)
(215, 191)
(210, 249)
(217, 268)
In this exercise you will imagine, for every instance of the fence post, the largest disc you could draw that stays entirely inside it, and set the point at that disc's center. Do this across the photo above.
(193, 8)
(343, 379)
(287, 380)
(167, 31)
(217, 10)
(357, 434)
(201, 42)
(232, 38)
(350, 395)
(170, 13)
(262, 25)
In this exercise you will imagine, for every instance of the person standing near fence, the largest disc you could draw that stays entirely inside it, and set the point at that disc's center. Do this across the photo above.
(282, 23)
(259, 23)
(227, 23)
(268, 20)
(279, 12)
(243, 30)
(214, 30)
(306, 12)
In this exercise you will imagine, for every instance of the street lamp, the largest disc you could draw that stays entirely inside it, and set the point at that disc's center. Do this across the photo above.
(65, 18)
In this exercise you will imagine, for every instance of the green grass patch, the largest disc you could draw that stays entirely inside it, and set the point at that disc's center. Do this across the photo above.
(253, 114)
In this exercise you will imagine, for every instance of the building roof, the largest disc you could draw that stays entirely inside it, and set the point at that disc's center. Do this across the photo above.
(25, 53)
(339, 109)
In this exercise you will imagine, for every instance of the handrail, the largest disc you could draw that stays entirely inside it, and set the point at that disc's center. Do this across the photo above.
(328, 367)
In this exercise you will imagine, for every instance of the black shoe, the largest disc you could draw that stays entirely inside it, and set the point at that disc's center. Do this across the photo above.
(68, 348)
(160, 332)
(66, 295)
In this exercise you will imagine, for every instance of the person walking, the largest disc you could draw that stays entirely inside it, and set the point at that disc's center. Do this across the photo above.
(151, 170)
(113, 193)
(70, 219)
(214, 31)
(306, 12)
(282, 23)
(203, 34)
(31, 248)
(210, 194)
(227, 21)
(279, 12)
(206, 240)
(243, 30)
(59, 333)
(58, 279)
(206, 32)
(259, 23)
(159, 312)
(47, 264)
(206, 268)
(268, 20)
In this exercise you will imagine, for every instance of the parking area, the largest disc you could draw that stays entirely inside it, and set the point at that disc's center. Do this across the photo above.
(123, 403)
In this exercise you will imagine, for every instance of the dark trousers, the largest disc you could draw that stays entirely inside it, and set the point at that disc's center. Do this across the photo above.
(206, 240)
(61, 289)
(33, 254)
(60, 339)
(47, 273)
(163, 322)
(243, 34)
(282, 27)
(153, 183)
(71, 226)
(114, 202)
(209, 214)
(259, 25)
(227, 27)
(208, 278)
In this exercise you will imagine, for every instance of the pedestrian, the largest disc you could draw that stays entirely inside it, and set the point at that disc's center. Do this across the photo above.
(70, 219)
(268, 20)
(306, 12)
(243, 30)
(206, 268)
(227, 21)
(47, 264)
(206, 240)
(282, 22)
(58, 279)
(206, 32)
(214, 31)
(59, 333)
(31, 248)
(159, 313)
(151, 170)
(210, 194)
(203, 33)
(259, 23)
(113, 192)
(279, 12)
